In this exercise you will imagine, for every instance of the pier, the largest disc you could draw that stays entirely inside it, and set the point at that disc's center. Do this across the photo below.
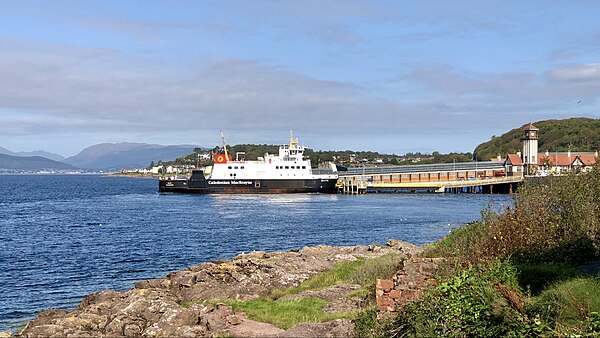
(469, 177)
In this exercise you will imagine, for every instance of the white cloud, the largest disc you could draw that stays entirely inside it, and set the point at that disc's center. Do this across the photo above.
(576, 73)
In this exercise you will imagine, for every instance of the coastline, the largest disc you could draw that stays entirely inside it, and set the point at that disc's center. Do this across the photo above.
(190, 302)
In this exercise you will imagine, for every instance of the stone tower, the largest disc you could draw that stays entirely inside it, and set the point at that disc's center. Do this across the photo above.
(530, 148)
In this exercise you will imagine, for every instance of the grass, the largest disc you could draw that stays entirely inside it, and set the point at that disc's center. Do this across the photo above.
(535, 277)
(288, 313)
(361, 271)
(569, 304)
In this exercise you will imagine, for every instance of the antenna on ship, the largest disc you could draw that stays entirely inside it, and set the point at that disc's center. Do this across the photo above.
(293, 142)
(224, 147)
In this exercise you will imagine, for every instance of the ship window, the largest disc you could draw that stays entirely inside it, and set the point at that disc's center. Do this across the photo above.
(230, 175)
(286, 167)
(235, 167)
(229, 167)
(303, 167)
(242, 167)
(276, 167)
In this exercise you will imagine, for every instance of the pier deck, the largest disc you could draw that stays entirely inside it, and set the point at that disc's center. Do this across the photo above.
(487, 177)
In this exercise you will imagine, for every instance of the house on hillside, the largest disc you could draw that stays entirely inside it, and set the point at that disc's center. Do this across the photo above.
(564, 162)
(530, 162)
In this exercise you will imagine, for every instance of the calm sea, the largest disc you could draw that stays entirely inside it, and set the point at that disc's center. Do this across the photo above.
(65, 236)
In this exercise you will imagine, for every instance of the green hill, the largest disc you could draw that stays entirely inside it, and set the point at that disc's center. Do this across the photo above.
(580, 134)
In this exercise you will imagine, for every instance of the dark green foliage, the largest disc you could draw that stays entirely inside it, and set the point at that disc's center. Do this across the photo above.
(481, 301)
(578, 134)
(535, 277)
(367, 324)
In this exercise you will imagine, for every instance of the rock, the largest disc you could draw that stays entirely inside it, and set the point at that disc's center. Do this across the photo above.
(148, 284)
(5, 334)
(251, 328)
(404, 247)
(153, 307)
(334, 328)
(47, 316)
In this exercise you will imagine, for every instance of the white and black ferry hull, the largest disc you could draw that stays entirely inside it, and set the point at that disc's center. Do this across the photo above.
(247, 186)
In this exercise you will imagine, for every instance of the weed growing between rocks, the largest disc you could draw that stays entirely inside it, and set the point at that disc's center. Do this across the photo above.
(359, 276)
(287, 313)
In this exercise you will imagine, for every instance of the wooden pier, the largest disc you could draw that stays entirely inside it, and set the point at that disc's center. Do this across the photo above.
(352, 187)
(471, 177)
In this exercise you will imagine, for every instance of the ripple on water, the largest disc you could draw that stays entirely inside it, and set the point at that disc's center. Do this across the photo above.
(65, 236)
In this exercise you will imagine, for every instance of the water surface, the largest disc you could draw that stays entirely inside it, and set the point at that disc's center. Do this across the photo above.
(65, 236)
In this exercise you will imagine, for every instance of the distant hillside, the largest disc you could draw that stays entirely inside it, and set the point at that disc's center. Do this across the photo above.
(126, 155)
(345, 157)
(52, 156)
(581, 134)
(31, 163)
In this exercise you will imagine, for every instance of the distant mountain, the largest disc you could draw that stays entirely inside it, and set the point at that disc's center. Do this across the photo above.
(31, 163)
(577, 134)
(116, 156)
(5, 151)
(52, 156)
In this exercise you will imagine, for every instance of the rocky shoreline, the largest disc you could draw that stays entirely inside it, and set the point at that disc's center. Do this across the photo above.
(186, 303)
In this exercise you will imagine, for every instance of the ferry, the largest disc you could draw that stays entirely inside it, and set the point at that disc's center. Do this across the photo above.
(287, 172)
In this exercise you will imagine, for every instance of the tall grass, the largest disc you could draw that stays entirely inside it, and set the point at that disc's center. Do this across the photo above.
(569, 305)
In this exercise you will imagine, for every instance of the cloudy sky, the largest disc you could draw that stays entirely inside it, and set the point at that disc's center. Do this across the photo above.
(389, 76)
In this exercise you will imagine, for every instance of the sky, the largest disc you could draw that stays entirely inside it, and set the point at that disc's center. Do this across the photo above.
(387, 76)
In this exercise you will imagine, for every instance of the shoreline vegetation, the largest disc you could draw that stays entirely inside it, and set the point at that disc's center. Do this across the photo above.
(532, 270)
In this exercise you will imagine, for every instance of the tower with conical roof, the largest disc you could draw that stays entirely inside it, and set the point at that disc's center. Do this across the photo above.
(530, 148)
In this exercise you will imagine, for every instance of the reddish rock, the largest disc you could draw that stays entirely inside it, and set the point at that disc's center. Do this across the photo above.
(395, 294)
(384, 284)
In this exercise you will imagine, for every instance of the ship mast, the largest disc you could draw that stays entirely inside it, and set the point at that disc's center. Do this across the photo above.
(293, 142)
(224, 147)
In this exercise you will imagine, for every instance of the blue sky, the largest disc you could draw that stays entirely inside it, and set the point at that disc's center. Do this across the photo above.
(389, 76)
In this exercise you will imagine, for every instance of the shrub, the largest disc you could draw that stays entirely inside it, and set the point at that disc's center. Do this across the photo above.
(556, 219)
(482, 301)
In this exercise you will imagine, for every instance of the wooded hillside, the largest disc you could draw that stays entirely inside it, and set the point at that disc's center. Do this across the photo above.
(580, 134)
